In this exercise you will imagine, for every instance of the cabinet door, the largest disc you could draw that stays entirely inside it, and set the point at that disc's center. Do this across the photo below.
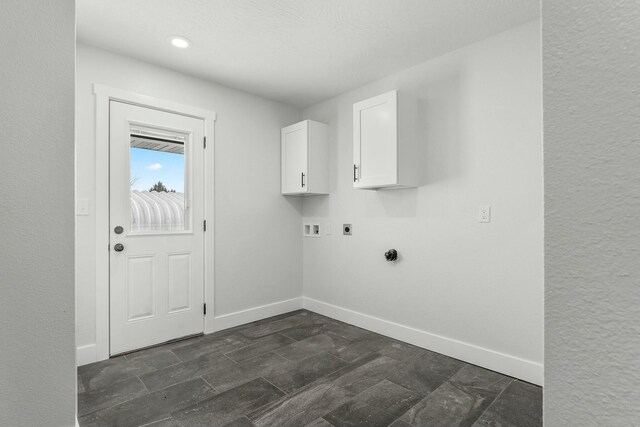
(294, 158)
(375, 141)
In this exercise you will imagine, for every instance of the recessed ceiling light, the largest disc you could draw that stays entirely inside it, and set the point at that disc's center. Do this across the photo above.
(180, 42)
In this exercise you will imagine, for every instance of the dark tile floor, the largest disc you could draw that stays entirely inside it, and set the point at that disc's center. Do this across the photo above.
(299, 369)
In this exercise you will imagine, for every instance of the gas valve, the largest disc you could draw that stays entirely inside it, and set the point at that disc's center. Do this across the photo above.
(391, 255)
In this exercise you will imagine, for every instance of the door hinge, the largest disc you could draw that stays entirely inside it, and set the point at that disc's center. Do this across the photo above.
(204, 308)
(205, 225)
(205, 142)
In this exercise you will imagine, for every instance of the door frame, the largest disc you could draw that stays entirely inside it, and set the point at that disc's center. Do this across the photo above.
(103, 96)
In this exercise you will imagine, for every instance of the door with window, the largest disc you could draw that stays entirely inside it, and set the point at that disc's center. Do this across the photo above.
(156, 216)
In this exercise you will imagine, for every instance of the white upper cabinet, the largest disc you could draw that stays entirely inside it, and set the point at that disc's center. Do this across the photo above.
(385, 142)
(305, 167)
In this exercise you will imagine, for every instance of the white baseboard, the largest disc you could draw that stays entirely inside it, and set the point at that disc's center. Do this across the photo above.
(238, 318)
(526, 370)
(86, 354)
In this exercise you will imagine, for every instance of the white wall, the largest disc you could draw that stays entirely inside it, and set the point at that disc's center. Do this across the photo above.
(592, 212)
(37, 354)
(465, 284)
(258, 253)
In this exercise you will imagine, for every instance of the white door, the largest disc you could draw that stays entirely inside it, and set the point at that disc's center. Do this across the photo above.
(294, 158)
(156, 237)
(375, 141)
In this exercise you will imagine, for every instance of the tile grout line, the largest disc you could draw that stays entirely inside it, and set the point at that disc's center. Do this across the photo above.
(209, 384)
(346, 361)
(183, 381)
(178, 357)
(339, 369)
(494, 400)
(119, 403)
(181, 363)
(422, 397)
(279, 355)
(156, 421)
(264, 352)
(284, 357)
(223, 354)
(338, 336)
(286, 398)
(145, 386)
(383, 410)
(253, 341)
(325, 420)
(285, 393)
(452, 375)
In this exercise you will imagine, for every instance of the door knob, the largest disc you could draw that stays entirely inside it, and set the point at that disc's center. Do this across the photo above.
(119, 247)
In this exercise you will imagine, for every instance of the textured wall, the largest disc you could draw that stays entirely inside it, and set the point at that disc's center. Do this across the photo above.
(37, 352)
(481, 284)
(592, 212)
(257, 231)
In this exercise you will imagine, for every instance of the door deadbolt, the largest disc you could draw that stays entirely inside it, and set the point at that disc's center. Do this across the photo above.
(118, 247)
(118, 229)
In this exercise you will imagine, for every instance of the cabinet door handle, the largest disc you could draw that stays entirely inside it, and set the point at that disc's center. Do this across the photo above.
(302, 178)
(355, 173)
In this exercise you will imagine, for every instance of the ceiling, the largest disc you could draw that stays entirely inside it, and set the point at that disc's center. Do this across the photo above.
(296, 51)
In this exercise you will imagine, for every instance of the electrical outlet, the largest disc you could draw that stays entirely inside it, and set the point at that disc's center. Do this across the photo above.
(484, 214)
(347, 229)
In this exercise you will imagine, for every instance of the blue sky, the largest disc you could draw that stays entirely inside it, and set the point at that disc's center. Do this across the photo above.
(150, 166)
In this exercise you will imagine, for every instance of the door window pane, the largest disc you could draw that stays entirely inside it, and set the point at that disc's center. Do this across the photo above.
(159, 202)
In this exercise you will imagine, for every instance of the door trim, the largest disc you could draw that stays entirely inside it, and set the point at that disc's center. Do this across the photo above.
(103, 95)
